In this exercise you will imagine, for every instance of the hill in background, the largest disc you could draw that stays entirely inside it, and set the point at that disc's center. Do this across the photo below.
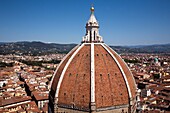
(34, 48)
(40, 48)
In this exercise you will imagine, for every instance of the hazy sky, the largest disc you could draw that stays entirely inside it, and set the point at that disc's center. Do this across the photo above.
(122, 22)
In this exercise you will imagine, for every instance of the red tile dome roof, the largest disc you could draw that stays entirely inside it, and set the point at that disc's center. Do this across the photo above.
(113, 82)
(92, 77)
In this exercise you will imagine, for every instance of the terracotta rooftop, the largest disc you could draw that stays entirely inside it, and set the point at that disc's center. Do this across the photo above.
(92, 76)
(40, 96)
(14, 100)
(111, 88)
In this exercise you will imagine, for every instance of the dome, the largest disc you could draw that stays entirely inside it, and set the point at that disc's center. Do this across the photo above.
(92, 78)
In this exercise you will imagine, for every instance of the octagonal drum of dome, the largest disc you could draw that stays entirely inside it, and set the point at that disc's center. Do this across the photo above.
(92, 78)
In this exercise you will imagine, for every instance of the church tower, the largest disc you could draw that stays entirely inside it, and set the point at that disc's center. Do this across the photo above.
(92, 78)
(92, 29)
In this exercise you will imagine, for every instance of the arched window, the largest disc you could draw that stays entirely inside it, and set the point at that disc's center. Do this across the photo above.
(94, 36)
(90, 37)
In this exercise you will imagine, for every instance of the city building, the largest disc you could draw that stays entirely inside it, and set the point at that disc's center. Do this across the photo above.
(92, 78)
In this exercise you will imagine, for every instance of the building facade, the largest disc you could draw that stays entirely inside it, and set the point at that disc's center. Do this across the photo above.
(92, 78)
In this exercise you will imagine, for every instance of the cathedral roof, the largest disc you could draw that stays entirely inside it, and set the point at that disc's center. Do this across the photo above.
(114, 84)
(92, 76)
